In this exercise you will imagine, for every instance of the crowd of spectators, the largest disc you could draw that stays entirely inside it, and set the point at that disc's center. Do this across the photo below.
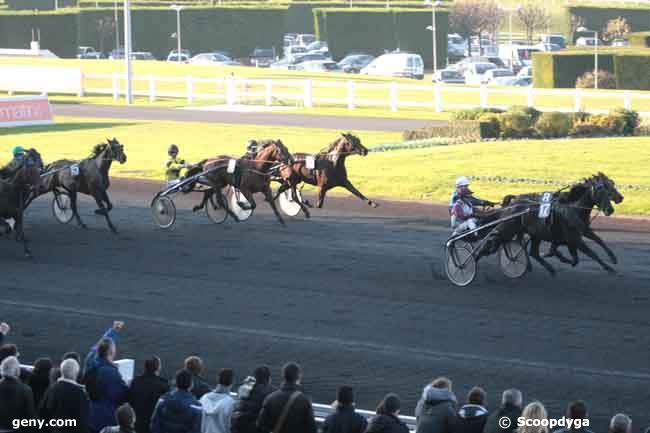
(94, 394)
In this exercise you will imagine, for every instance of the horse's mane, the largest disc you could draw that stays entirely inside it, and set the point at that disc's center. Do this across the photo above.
(99, 148)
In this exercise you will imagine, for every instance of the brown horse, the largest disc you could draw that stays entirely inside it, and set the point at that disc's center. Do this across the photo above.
(14, 193)
(255, 175)
(329, 171)
(88, 176)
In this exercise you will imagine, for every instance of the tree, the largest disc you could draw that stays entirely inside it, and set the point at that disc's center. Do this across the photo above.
(533, 18)
(105, 29)
(617, 28)
(475, 17)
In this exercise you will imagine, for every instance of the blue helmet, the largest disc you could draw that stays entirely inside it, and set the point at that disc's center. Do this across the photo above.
(18, 150)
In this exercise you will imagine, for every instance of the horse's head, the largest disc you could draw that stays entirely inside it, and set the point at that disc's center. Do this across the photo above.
(274, 150)
(601, 194)
(351, 145)
(112, 150)
(614, 194)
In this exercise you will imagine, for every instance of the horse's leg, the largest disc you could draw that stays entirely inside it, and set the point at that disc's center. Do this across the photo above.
(206, 196)
(303, 207)
(590, 234)
(100, 197)
(268, 194)
(582, 246)
(19, 228)
(553, 251)
(283, 187)
(72, 193)
(321, 196)
(534, 253)
(348, 185)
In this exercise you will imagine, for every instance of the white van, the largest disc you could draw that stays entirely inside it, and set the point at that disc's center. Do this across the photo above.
(396, 65)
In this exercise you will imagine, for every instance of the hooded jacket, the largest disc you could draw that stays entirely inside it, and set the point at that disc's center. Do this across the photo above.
(471, 419)
(217, 406)
(248, 408)
(176, 412)
(510, 411)
(435, 412)
(386, 424)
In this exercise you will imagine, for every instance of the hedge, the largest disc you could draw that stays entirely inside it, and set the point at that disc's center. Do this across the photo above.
(58, 31)
(464, 130)
(43, 5)
(632, 71)
(640, 40)
(596, 16)
(377, 30)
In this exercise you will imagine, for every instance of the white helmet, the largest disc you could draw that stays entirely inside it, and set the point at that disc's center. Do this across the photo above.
(462, 181)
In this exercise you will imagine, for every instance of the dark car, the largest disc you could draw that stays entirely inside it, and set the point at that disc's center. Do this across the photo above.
(116, 54)
(300, 58)
(263, 57)
(353, 63)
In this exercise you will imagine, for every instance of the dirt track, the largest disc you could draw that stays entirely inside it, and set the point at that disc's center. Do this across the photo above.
(356, 295)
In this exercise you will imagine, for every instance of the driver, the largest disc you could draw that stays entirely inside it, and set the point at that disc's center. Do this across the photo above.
(463, 216)
(173, 166)
(18, 155)
(463, 182)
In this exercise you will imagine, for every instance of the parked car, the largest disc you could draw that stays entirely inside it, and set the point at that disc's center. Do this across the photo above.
(309, 57)
(142, 55)
(553, 39)
(354, 63)
(396, 64)
(212, 59)
(448, 76)
(526, 71)
(475, 72)
(456, 45)
(88, 53)
(304, 39)
(263, 57)
(516, 57)
(116, 54)
(587, 42)
(317, 66)
(174, 57)
(512, 81)
(620, 43)
(493, 74)
(548, 47)
(293, 50)
(284, 63)
(318, 47)
(463, 64)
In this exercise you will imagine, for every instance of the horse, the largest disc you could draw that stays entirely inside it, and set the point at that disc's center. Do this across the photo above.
(566, 223)
(88, 176)
(599, 180)
(329, 171)
(256, 175)
(14, 192)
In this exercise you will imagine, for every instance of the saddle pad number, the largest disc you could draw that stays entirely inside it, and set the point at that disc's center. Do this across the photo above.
(545, 207)
(232, 164)
(74, 170)
(310, 162)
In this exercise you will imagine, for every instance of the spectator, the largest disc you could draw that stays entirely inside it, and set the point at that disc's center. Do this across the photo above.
(103, 381)
(178, 411)
(251, 396)
(218, 405)
(287, 410)
(66, 399)
(39, 380)
(577, 410)
(473, 415)
(55, 373)
(7, 350)
(511, 402)
(345, 419)
(386, 420)
(620, 423)
(16, 399)
(145, 391)
(125, 417)
(534, 411)
(436, 410)
(194, 365)
(4, 330)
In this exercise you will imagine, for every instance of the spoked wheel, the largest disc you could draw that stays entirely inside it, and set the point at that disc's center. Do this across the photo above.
(163, 211)
(513, 259)
(233, 197)
(62, 207)
(288, 205)
(215, 210)
(460, 265)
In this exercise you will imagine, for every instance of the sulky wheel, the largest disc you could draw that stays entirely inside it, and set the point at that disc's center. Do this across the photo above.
(460, 265)
(163, 211)
(62, 207)
(513, 259)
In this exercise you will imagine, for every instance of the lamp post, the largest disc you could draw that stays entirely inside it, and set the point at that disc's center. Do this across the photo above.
(586, 30)
(127, 51)
(434, 5)
(178, 9)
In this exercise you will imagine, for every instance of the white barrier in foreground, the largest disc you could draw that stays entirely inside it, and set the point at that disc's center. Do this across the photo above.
(20, 78)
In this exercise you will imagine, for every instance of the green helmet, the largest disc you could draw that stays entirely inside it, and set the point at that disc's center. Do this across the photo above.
(18, 150)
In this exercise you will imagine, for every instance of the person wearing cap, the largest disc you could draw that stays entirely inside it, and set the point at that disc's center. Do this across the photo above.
(174, 165)
(18, 155)
(463, 181)
(463, 217)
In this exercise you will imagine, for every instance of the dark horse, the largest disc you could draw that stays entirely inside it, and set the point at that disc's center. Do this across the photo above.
(568, 222)
(255, 177)
(329, 171)
(92, 178)
(14, 193)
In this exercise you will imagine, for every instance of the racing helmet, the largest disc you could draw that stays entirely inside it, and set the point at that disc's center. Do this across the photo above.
(18, 150)
(462, 181)
(251, 146)
(172, 150)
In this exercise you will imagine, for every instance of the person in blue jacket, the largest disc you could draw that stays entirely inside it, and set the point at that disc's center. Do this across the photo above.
(106, 388)
(178, 411)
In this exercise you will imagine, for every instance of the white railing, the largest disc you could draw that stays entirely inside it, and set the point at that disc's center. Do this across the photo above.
(308, 93)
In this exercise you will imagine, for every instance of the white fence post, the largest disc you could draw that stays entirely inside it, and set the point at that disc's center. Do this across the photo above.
(351, 101)
(627, 100)
(394, 97)
(190, 89)
(577, 103)
(231, 91)
(309, 94)
(530, 96)
(80, 93)
(269, 93)
(116, 86)
(437, 92)
(484, 96)
(152, 88)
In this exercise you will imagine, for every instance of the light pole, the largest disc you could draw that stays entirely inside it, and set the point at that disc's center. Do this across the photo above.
(434, 5)
(586, 30)
(127, 51)
(117, 26)
(178, 9)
